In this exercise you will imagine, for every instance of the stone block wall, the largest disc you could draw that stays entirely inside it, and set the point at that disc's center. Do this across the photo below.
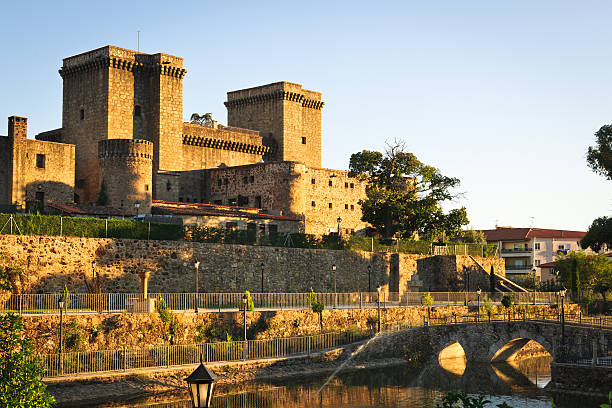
(5, 157)
(51, 262)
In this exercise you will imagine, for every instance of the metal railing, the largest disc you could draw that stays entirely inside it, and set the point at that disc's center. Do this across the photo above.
(515, 250)
(75, 363)
(518, 267)
(83, 303)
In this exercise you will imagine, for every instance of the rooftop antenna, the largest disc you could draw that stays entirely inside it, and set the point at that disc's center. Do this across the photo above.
(496, 223)
(138, 41)
(531, 225)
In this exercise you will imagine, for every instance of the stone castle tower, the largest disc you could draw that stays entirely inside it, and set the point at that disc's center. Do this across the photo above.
(114, 93)
(285, 113)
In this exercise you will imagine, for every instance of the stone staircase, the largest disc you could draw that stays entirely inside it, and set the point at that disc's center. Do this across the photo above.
(502, 284)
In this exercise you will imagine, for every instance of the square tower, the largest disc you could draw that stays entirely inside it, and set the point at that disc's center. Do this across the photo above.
(284, 113)
(114, 93)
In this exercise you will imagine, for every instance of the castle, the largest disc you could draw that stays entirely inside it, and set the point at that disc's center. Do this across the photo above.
(123, 132)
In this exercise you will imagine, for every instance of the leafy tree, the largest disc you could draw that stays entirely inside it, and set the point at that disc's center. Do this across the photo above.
(102, 195)
(427, 300)
(599, 157)
(598, 235)
(317, 307)
(492, 280)
(404, 195)
(470, 236)
(20, 377)
(249, 303)
(66, 297)
(585, 272)
(204, 119)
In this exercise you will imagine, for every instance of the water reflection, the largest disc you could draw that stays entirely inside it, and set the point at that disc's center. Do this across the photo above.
(518, 383)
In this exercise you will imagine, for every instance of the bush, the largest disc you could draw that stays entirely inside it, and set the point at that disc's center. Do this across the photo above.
(507, 301)
(427, 299)
(75, 337)
(162, 309)
(249, 301)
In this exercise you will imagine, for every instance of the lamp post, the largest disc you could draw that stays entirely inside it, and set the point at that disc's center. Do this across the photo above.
(137, 207)
(535, 287)
(262, 280)
(335, 296)
(61, 305)
(562, 293)
(200, 384)
(378, 288)
(244, 305)
(478, 292)
(196, 265)
(369, 278)
(339, 220)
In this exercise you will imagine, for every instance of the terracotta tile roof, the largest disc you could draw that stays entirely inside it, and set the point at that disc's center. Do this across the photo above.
(547, 265)
(178, 208)
(517, 234)
(75, 209)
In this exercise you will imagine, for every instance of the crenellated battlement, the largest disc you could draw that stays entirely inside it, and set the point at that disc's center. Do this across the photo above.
(125, 148)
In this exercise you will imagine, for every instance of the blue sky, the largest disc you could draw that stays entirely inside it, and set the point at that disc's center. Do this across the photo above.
(505, 96)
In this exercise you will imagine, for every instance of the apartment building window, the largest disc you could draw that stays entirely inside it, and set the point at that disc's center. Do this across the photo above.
(313, 204)
(303, 140)
(536, 246)
(312, 181)
(40, 161)
(330, 206)
(561, 247)
(537, 262)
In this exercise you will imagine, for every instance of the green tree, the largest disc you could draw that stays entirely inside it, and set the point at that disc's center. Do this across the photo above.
(599, 157)
(427, 300)
(404, 195)
(317, 307)
(598, 235)
(102, 195)
(20, 377)
(470, 236)
(585, 272)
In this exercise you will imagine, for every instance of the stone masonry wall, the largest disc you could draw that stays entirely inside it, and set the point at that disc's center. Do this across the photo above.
(51, 262)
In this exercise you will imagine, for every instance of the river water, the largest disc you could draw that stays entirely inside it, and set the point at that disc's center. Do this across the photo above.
(520, 385)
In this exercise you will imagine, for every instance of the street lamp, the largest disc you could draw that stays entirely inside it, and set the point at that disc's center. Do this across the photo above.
(478, 292)
(61, 303)
(369, 278)
(200, 384)
(339, 220)
(562, 293)
(196, 264)
(244, 305)
(335, 296)
(378, 288)
(137, 207)
(262, 273)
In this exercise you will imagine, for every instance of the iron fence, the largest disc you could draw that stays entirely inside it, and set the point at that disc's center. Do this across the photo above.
(83, 303)
(75, 363)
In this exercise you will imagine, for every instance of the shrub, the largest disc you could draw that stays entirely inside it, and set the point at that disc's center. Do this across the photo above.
(249, 303)
(75, 337)
(162, 309)
(427, 299)
(507, 301)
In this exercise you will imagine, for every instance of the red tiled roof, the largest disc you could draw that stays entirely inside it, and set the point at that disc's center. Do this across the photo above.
(177, 208)
(547, 265)
(74, 209)
(517, 234)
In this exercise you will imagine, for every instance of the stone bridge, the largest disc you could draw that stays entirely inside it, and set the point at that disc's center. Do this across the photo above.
(496, 341)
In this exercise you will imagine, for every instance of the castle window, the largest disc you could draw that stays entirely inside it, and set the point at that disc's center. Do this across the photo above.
(313, 181)
(252, 179)
(330, 206)
(346, 206)
(330, 183)
(245, 180)
(352, 207)
(82, 114)
(121, 203)
(352, 185)
(137, 110)
(258, 202)
(40, 161)
(146, 187)
(303, 140)
(313, 204)
(345, 185)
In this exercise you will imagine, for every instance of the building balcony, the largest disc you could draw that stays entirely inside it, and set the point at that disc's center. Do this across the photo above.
(510, 251)
(518, 268)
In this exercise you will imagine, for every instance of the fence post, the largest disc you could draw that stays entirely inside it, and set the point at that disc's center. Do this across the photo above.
(20, 304)
(167, 356)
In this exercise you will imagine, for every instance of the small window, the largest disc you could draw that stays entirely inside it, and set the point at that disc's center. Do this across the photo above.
(537, 262)
(346, 206)
(352, 207)
(561, 247)
(330, 183)
(245, 180)
(252, 179)
(121, 203)
(313, 204)
(273, 228)
(330, 205)
(345, 185)
(219, 182)
(82, 114)
(303, 140)
(40, 161)
(352, 185)
(137, 110)
(536, 245)
(146, 187)
(313, 181)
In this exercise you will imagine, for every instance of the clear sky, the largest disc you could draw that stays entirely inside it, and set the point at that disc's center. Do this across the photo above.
(505, 96)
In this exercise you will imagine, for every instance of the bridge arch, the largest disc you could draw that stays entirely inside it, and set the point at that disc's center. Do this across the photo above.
(507, 347)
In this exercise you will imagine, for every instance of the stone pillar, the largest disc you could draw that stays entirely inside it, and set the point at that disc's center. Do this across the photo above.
(144, 284)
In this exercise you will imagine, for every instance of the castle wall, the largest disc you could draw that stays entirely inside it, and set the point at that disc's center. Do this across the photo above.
(126, 170)
(5, 157)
